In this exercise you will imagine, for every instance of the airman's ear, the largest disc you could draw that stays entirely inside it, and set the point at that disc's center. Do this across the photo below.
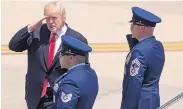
(71, 57)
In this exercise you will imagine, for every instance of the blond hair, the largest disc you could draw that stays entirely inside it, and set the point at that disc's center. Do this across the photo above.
(59, 6)
(62, 8)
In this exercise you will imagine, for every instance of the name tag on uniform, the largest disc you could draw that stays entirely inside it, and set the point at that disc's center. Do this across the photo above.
(128, 58)
(55, 87)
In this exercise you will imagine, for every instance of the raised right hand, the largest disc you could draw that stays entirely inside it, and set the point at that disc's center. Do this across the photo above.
(34, 25)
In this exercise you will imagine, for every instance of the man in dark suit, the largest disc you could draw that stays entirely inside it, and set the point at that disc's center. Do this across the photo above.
(42, 41)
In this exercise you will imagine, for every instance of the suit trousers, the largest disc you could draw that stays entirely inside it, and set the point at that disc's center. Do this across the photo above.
(46, 101)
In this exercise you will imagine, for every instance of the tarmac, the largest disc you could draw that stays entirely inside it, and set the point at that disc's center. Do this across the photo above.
(100, 22)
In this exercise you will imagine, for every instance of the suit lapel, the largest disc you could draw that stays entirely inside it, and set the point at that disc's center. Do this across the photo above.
(45, 54)
(55, 58)
(45, 36)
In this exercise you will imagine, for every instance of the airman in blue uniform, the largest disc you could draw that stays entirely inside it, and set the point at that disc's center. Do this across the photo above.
(144, 63)
(78, 87)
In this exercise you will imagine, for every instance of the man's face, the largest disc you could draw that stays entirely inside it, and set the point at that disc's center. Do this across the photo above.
(55, 19)
(66, 60)
(135, 30)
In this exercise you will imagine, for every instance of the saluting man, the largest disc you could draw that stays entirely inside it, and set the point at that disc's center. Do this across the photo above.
(144, 63)
(42, 42)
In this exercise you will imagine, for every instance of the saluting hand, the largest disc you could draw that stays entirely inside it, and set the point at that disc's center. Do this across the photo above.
(34, 25)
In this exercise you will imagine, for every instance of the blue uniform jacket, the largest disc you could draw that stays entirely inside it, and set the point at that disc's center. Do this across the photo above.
(143, 68)
(76, 89)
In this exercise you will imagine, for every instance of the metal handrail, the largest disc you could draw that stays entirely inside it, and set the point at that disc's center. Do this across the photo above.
(172, 101)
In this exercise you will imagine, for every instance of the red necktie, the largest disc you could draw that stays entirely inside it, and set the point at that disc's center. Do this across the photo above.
(50, 58)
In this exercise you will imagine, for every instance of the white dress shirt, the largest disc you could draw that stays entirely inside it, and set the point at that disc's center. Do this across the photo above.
(58, 38)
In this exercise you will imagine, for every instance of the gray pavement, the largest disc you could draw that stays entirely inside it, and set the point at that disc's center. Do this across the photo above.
(109, 68)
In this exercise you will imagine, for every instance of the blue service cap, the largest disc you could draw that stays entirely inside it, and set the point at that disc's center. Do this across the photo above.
(72, 45)
(144, 17)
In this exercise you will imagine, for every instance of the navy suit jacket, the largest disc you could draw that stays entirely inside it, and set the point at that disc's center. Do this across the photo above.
(37, 45)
